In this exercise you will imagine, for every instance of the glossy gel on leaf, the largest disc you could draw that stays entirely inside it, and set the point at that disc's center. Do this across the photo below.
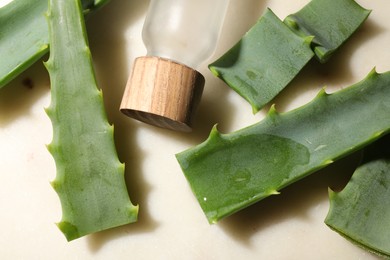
(361, 211)
(229, 172)
(24, 35)
(273, 52)
(90, 179)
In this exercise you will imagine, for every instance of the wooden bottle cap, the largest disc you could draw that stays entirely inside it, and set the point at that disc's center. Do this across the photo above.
(163, 93)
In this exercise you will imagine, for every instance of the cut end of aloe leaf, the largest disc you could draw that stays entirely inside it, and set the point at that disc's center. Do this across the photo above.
(69, 230)
(361, 211)
(72, 232)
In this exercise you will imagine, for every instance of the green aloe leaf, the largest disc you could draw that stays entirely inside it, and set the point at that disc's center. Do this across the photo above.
(361, 211)
(272, 53)
(229, 172)
(266, 59)
(330, 22)
(90, 179)
(24, 35)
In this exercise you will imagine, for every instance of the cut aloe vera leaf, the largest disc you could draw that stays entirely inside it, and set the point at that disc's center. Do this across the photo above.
(361, 211)
(90, 179)
(272, 53)
(264, 61)
(229, 172)
(24, 35)
(330, 22)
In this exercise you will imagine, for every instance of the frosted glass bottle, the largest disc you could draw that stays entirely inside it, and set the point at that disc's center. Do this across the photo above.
(179, 35)
(183, 30)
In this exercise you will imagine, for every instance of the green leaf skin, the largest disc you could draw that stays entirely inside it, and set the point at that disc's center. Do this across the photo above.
(229, 172)
(24, 35)
(330, 22)
(90, 179)
(272, 53)
(361, 212)
(255, 68)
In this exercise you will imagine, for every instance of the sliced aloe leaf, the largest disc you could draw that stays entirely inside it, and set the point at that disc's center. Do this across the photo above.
(90, 179)
(264, 61)
(24, 35)
(272, 53)
(361, 211)
(330, 22)
(229, 172)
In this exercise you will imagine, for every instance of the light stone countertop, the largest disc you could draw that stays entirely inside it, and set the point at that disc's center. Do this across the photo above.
(171, 224)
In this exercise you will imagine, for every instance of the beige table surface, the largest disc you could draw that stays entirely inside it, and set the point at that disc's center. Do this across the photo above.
(171, 224)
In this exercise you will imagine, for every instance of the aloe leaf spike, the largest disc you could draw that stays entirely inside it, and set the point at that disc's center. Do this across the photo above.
(90, 179)
(229, 172)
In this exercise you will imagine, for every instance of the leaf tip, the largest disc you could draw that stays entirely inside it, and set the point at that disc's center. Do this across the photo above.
(373, 73)
(55, 184)
(214, 131)
(215, 135)
(214, 70)
(378, 134)
(44, 47)
(69, 230)
(272, 111)
(47, 110)
(133, 213)
(122, 167)
(308, 40)
(48, 65)
(331, 193)
(255, 108)
(50, 148)
(322, 93)
(273, 192)
(327, 162)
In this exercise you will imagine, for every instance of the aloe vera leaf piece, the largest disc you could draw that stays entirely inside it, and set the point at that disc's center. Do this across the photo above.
(270, 55)
(90, 179)
(264, 61)
(229, 172)
(24, 35)
(361, 211)
(330, 22)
